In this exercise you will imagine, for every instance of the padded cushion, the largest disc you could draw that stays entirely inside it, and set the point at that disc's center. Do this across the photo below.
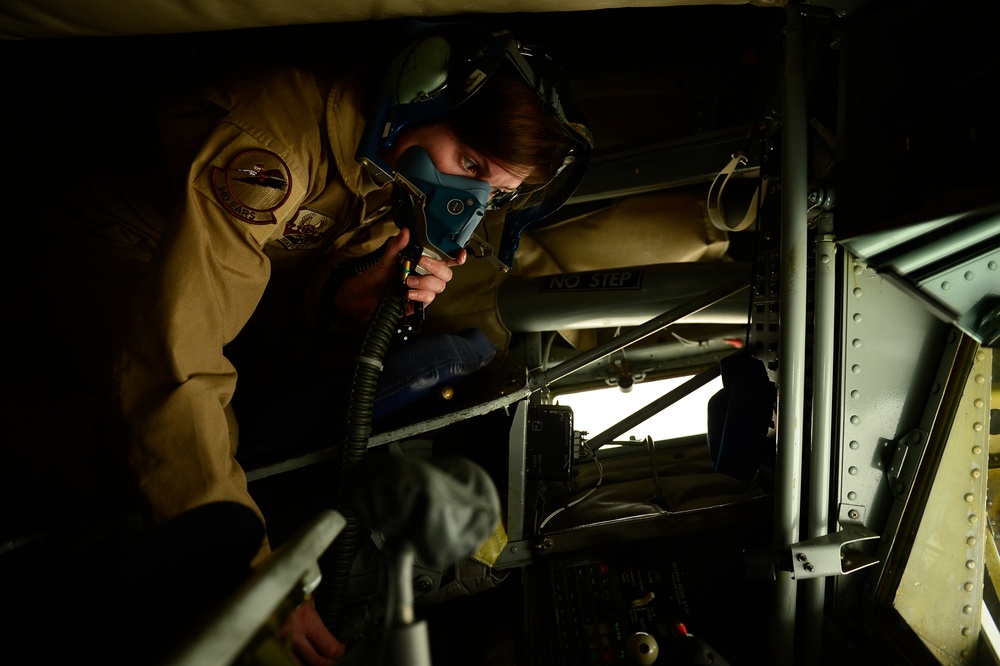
(74, 18)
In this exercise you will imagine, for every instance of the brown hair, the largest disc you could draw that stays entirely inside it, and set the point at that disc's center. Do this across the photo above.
(509, 123)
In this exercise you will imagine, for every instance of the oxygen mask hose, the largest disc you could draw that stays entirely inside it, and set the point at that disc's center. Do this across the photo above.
(338, 560)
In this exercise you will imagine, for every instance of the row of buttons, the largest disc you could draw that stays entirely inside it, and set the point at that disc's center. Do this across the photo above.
(584, 609)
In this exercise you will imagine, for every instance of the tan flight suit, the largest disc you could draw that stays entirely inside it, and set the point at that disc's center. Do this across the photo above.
(261, 184)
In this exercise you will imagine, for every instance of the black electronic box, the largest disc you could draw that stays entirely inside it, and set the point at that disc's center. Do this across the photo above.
(549, 443)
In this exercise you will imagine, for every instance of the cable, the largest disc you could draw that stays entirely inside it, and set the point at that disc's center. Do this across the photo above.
(338, 560)
(600, 478)
(547, 350)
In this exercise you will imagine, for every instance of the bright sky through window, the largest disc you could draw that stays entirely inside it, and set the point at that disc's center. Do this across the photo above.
(596, 411)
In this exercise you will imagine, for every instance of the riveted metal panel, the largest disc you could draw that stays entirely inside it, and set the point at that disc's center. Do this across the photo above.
(893, 355)
(892, 349)
(971, 291)
(940, 592)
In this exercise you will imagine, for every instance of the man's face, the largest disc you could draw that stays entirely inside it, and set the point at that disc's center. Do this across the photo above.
(452, 157)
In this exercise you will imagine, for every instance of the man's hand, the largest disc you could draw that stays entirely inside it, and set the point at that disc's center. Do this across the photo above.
(360, 294)
(312, 642)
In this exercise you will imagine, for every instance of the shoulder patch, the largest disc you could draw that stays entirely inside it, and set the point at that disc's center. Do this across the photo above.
(307, 230)
(255, 183)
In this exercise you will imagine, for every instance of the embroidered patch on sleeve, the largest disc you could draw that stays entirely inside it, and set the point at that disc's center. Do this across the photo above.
(307, 230)
(255, 183)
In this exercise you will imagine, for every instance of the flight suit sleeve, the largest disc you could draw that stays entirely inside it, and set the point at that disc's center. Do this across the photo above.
(205, 280)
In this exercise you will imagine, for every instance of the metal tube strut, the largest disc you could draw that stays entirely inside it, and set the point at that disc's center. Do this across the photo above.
(542, 378)
(792, 334)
